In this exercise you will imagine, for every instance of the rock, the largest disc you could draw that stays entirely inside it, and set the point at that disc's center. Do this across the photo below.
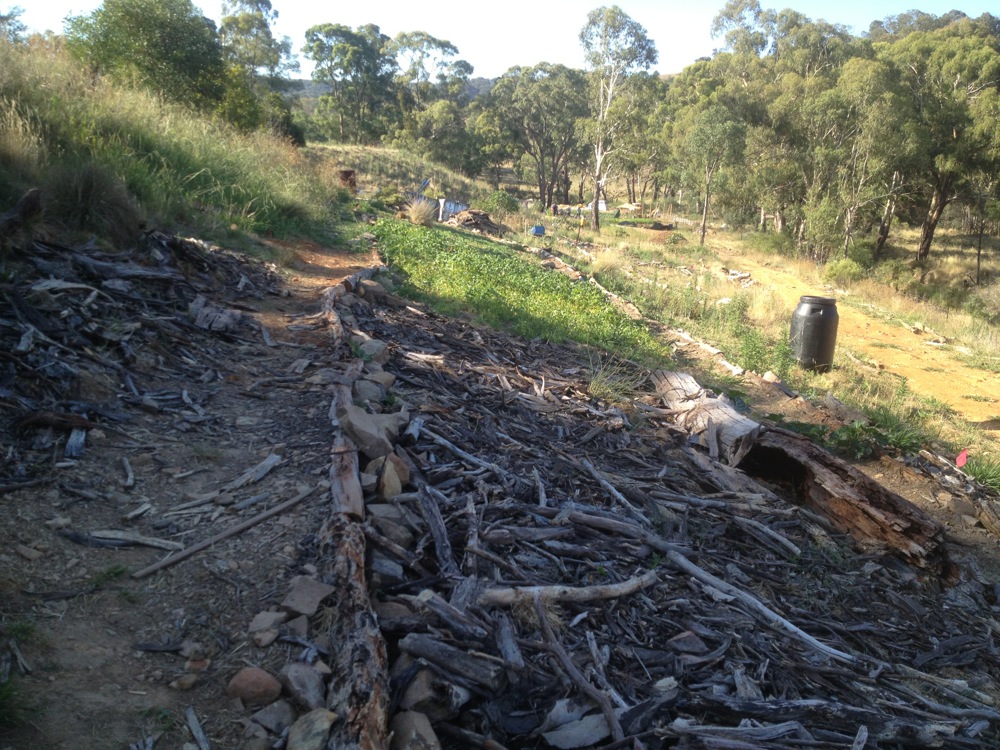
(373, 433)
(254, 686)
(368, 482)
(305, 596)
(191, 650)
(372, 290)
(368, 390)
(299, 626)
(383, 378)
(962, 505)
(376, 351)
(395, 532)
(264, 638)
(185, 682)
(304, 685)
(258, 743)
(28, 553)
(275, 718)
(310, 731)
(266, 621)
(412, 731)
(436, 698)
(389, 484)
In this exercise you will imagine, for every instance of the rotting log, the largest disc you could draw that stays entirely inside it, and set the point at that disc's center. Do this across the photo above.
(851, 501)
(359, 685)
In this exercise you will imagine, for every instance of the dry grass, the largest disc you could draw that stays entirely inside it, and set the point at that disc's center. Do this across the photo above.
(422, 212)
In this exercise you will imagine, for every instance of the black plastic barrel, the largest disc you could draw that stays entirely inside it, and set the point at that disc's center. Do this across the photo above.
(814, 332)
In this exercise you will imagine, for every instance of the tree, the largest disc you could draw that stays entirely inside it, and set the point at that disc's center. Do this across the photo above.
(165, 45)
(952, 75)
(712, 139)
(428, 70)
(249, 44)
(11, 27)
(615, 47)
(541, 106)
(359, 68)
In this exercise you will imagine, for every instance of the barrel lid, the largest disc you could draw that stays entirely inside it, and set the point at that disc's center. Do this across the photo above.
(808, 300)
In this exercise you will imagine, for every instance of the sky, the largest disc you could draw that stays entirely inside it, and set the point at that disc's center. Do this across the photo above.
(494, 37)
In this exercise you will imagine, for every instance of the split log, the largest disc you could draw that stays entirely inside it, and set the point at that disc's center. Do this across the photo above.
(465, 666)
(718, 426)
(359, 684)
(851, 501)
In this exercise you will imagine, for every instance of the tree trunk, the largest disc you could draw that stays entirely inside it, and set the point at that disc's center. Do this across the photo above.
(762, 223)
(939, 201)
(779, 220)
(704, 210)
(595, 212)
(887, 215)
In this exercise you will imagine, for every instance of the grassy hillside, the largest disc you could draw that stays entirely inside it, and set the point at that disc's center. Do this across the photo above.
(112, 159)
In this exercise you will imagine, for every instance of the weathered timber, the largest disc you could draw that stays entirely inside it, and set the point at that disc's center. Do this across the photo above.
(718, 426)
(466, 665)
(345, 480)
(851, 501)
(359, 684)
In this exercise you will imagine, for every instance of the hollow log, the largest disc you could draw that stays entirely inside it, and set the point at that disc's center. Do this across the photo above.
(851, 501)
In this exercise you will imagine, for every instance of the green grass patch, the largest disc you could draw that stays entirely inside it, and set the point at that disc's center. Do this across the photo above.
(462, 274)
(986, 471)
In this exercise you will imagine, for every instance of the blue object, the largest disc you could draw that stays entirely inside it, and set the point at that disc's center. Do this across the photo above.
(538, 230)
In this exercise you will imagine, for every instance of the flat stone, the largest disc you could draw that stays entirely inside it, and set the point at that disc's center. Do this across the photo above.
(368, 390)
(185, 682)
(275, 718)
(298, 626)
(264, 638)
(962, 505)
(412, 730)
(376, 351)
(304, 685)
(386, 379)
(254, 686)
(305, 596)
(266, 621)
(310, 732)
(389, 485)
(372, 290)
(364, 429)
(395, 532)
(28, 553)
(435, 698)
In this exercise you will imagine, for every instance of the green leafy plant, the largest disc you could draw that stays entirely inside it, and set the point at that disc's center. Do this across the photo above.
(986, 471)
(501, 204)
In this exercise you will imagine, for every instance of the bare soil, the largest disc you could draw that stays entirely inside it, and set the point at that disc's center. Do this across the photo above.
(86, 628)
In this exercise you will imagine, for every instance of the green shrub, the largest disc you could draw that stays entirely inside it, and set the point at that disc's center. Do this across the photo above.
(501, 204)
(776, 243)
(843, 272)
(88, 197)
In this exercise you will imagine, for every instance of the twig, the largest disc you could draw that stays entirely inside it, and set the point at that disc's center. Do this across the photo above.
(445, 443)
(237, 529)
(196, 731)
(512, 595)
(598, 696)
(611, 490)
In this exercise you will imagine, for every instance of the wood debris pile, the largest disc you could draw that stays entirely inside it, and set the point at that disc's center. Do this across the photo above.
(75, 322)
(476, 221)
(560, 572)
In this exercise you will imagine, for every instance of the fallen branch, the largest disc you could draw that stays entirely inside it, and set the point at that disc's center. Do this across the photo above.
(513, 595)
(237, 529)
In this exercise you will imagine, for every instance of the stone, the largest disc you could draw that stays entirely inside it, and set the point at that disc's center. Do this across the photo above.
(258, 743)
(376, 351)
(298, 626)
(276, 717)
(435, 698)
(185, 682)
(368, 390)
(389, 485)
(266, 621)
(395, 532)
(264, 638)
(368, 482)
(254, 686)
(412, 730)
(311, 730)
(304, 685)
(962, 505)
(383, 378)
(364, 429)
(305, 596)
(372, 290)
(28, 553)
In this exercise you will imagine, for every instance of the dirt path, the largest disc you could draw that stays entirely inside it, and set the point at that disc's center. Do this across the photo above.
(930, 369)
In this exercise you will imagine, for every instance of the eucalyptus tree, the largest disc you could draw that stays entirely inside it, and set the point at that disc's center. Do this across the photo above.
(643, 144)
(952, 76)
(359, 67)
(711, 140)
(429, 69)
(11, 27)
(166, 45)
(615, 48)
(542, 107)
(247, 37)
